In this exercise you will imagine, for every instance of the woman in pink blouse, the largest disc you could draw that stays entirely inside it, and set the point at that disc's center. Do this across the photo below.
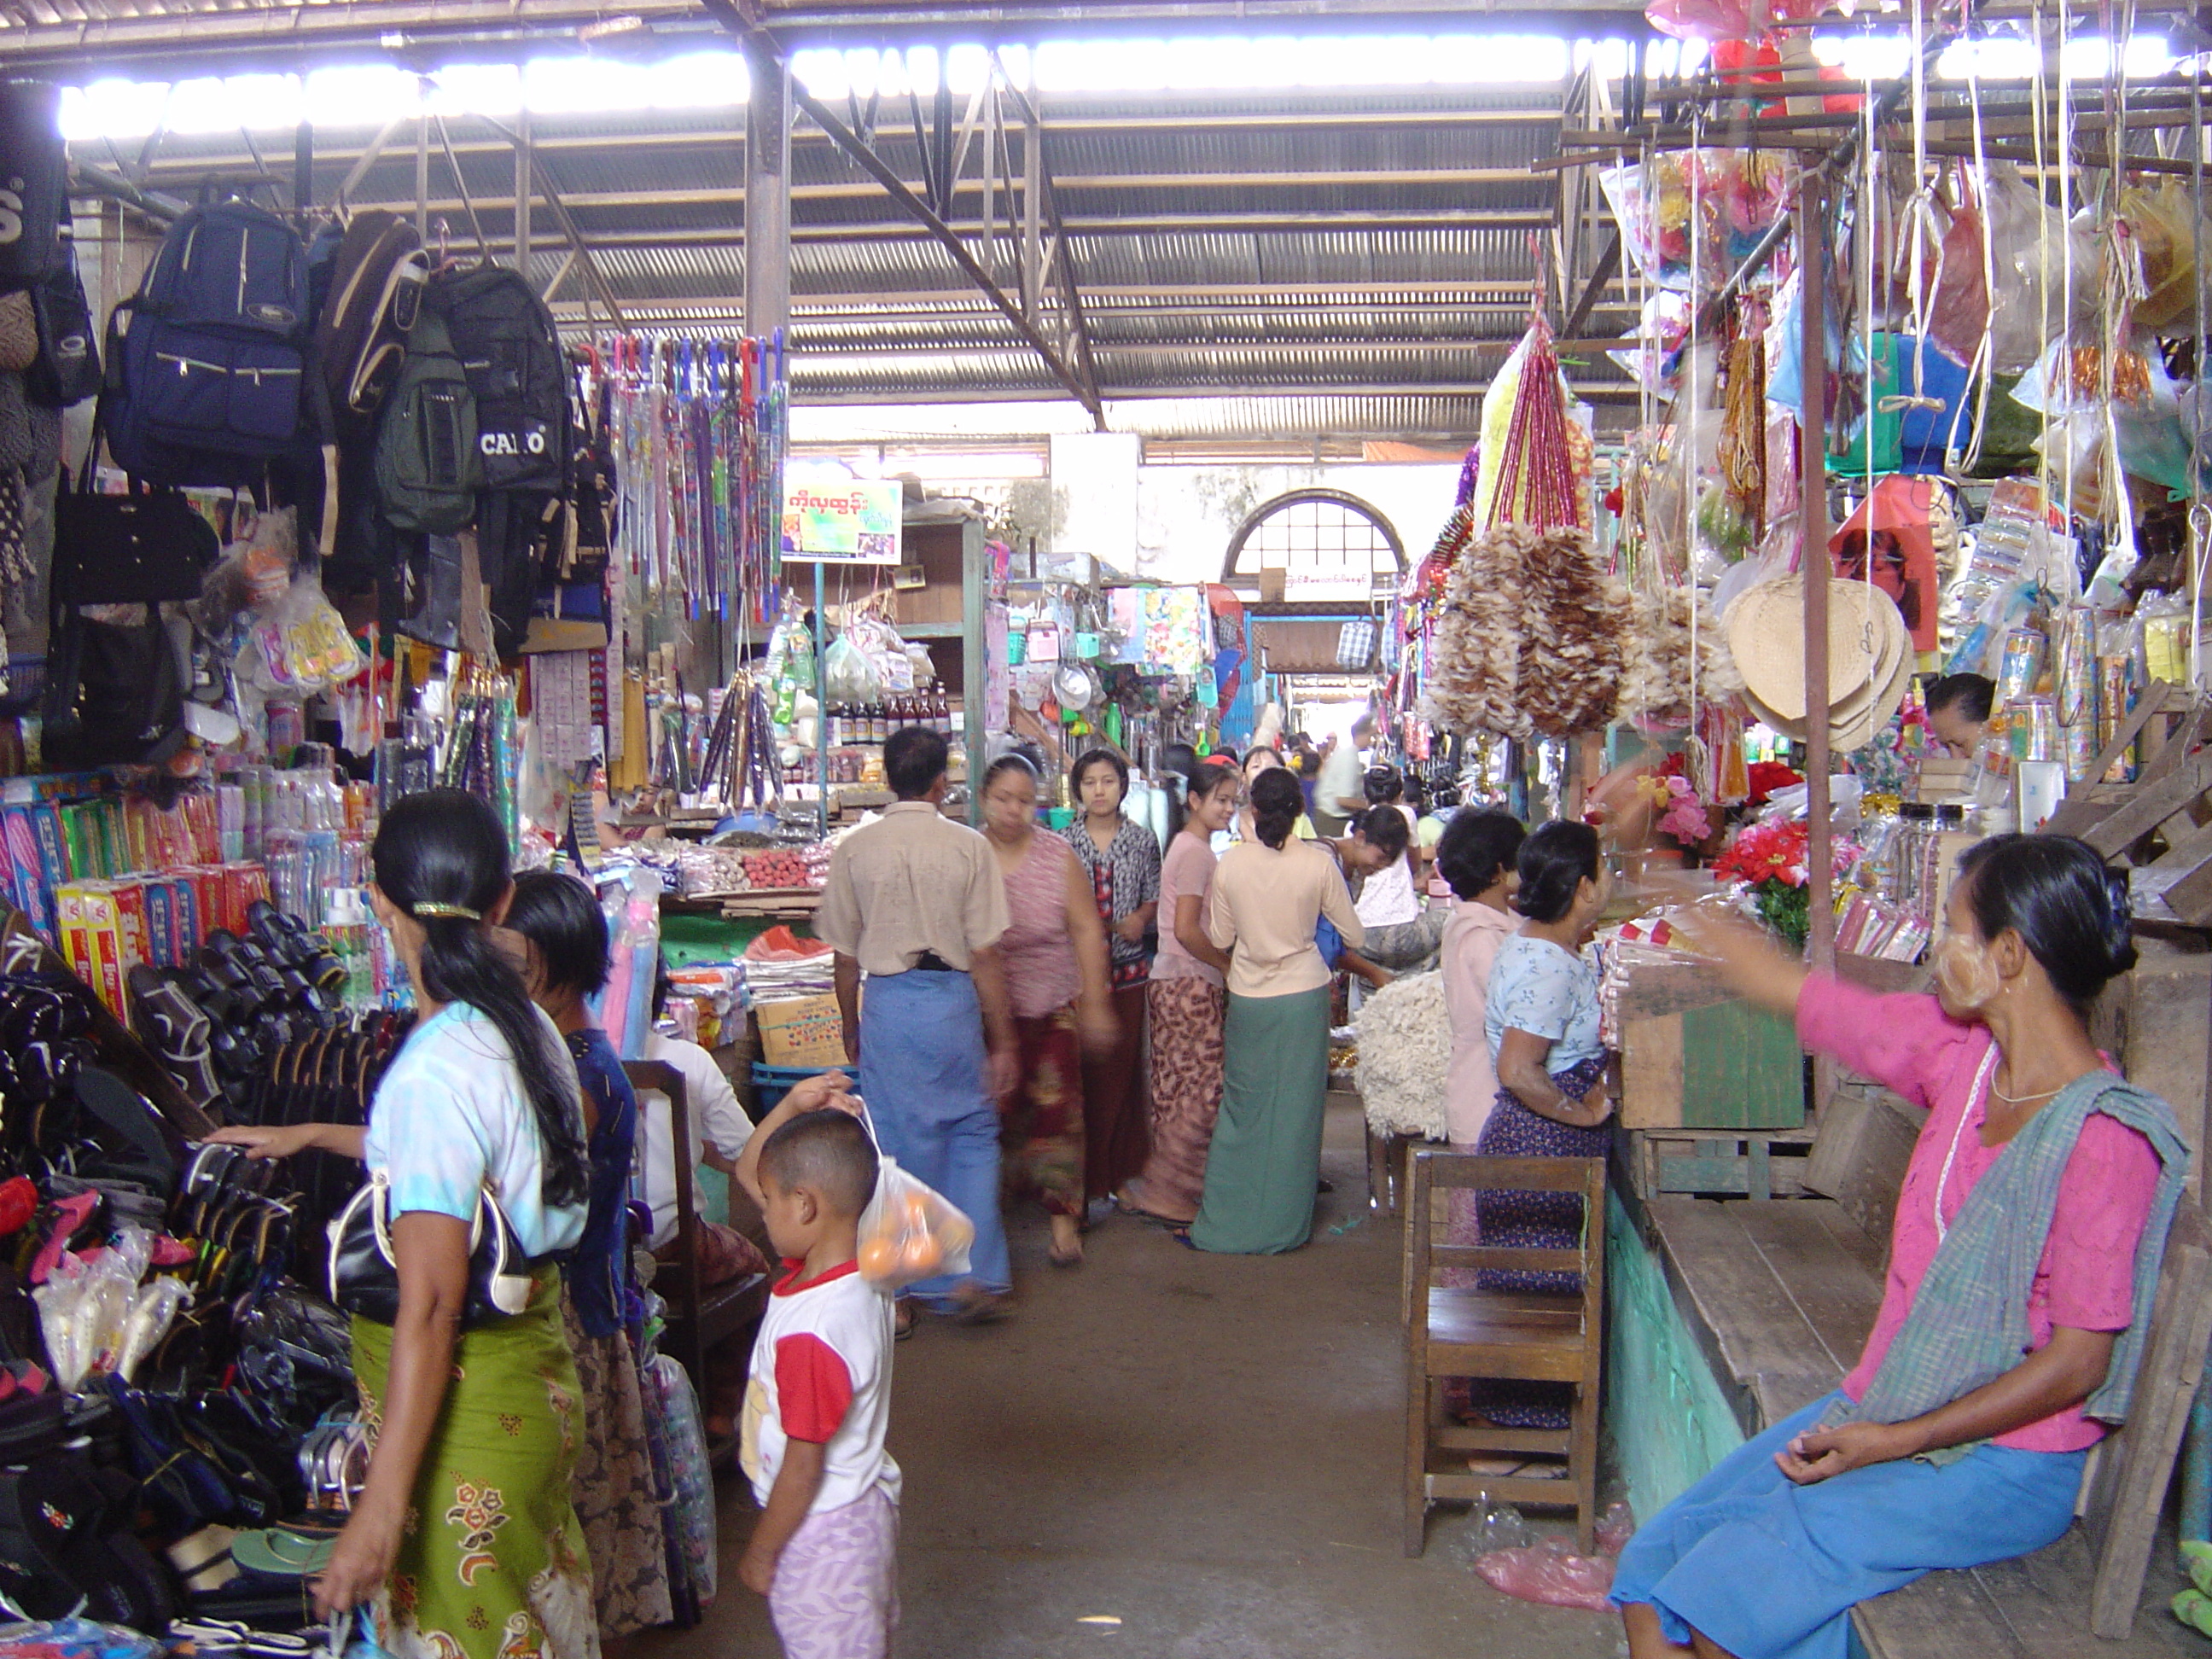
(1959, 1438)
(1475, 857)
(1054, 952)
(1186, 1001)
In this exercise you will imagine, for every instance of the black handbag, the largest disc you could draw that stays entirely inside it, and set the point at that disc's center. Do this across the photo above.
(139, 548)
(365, 1278)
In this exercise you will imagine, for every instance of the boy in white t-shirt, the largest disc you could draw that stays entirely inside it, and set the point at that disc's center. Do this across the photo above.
(825, 1552)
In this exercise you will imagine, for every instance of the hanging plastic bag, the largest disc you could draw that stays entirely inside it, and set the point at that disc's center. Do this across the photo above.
(850, 677)
(2026, 237)
(2165, 224)
(910, 1232)
(1958, 310)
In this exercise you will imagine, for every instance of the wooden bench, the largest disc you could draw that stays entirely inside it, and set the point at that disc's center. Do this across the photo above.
(1779, 1298)
(699, 1315)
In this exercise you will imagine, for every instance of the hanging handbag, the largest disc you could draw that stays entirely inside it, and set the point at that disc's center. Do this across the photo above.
(365, 1276)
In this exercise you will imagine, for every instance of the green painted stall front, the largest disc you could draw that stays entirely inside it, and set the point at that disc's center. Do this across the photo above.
(1666, 1418)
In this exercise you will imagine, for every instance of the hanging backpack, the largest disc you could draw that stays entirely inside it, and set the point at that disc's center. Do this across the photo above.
(428, 469)
(67, 368)
(209, 375)
(504, 338)
(34, 180)
(376, 280)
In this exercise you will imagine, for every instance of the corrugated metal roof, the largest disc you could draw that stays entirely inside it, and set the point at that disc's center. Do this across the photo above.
(1370, 249)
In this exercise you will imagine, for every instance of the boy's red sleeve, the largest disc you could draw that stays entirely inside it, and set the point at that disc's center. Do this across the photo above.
(812, 1386)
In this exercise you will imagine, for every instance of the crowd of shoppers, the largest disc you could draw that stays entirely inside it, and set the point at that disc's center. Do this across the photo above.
(510, 1502)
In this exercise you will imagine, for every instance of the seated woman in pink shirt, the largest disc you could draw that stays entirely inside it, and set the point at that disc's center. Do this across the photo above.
(2023, 1259)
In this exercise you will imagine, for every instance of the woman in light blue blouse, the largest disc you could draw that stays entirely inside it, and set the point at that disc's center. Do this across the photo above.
(1541, 1015)
(464, 1541)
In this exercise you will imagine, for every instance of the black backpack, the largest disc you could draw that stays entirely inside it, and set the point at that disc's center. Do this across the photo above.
(375, 284)
(511, 351)
(68, 368)
(34, 181)
(428, 469)
(209, 377)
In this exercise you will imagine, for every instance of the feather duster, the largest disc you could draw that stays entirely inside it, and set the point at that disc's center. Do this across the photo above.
(1573, 645)
(1655, 688)
(1405, 1057)
(1531, 641)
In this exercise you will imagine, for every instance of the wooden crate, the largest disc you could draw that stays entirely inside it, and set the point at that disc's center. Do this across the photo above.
(1694, 1057)
(1663, 1163)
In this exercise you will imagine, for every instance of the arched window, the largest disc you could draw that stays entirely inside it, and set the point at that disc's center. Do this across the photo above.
(1329, 546)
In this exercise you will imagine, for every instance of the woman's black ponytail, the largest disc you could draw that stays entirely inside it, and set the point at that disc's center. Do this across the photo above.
(441, 858)
(1277, 800)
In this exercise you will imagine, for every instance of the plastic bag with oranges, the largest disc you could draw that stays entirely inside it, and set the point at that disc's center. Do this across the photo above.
(909, 1232)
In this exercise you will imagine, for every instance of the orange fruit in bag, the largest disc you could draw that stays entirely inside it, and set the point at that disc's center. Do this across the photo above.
(879, 1256)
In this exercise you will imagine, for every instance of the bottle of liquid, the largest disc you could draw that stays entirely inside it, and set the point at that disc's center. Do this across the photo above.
(345, 925)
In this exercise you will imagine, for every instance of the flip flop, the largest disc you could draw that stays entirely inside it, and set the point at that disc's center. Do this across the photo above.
(281, 1552)
(1137, 1213)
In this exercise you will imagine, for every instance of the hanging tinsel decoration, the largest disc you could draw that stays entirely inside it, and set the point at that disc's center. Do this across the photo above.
(1743, 432)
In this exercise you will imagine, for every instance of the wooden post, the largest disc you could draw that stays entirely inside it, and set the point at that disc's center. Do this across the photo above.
(1812, 563)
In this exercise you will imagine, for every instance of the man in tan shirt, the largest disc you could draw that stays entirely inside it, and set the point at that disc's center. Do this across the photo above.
(915, 901)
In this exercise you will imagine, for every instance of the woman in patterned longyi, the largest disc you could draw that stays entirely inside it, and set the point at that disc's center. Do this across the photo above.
(464, 1541)
(1123, 860)
(1541, 1015)
(1054, 951)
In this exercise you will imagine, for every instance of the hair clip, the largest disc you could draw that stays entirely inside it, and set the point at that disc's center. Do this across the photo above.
(433, 908)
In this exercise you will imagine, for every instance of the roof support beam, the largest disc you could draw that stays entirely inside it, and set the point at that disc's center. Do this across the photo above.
(916, 208)
(1609, 263)
(559, 209)
(768, 193)
(368, 157)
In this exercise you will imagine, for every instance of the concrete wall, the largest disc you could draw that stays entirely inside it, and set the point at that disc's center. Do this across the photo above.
(1173, 523)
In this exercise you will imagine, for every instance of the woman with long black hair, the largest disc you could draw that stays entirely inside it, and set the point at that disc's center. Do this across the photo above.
(464, 1540)
(566, 932)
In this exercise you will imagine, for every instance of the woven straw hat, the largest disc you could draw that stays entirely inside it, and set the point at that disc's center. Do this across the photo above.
(1869, 657)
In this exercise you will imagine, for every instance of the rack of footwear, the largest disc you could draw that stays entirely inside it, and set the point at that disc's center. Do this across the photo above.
(176, 1430)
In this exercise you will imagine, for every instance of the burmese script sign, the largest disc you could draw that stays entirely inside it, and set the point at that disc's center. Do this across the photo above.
(845, 522)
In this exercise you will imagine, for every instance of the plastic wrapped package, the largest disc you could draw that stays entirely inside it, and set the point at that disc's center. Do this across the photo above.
(85, 1307)
(1735, 194)
(849, 675)
(692, 1514)
(2067, 385)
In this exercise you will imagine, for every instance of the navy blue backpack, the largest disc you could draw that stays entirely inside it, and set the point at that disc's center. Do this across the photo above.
(209, 378)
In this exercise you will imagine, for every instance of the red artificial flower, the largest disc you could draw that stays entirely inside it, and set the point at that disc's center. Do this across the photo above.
(1767, 776)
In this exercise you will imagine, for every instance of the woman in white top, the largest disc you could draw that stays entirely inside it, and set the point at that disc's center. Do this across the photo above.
(466, 1501)
(1269, 893)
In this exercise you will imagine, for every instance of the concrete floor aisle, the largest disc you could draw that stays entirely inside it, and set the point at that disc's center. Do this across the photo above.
(1203, 1447)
